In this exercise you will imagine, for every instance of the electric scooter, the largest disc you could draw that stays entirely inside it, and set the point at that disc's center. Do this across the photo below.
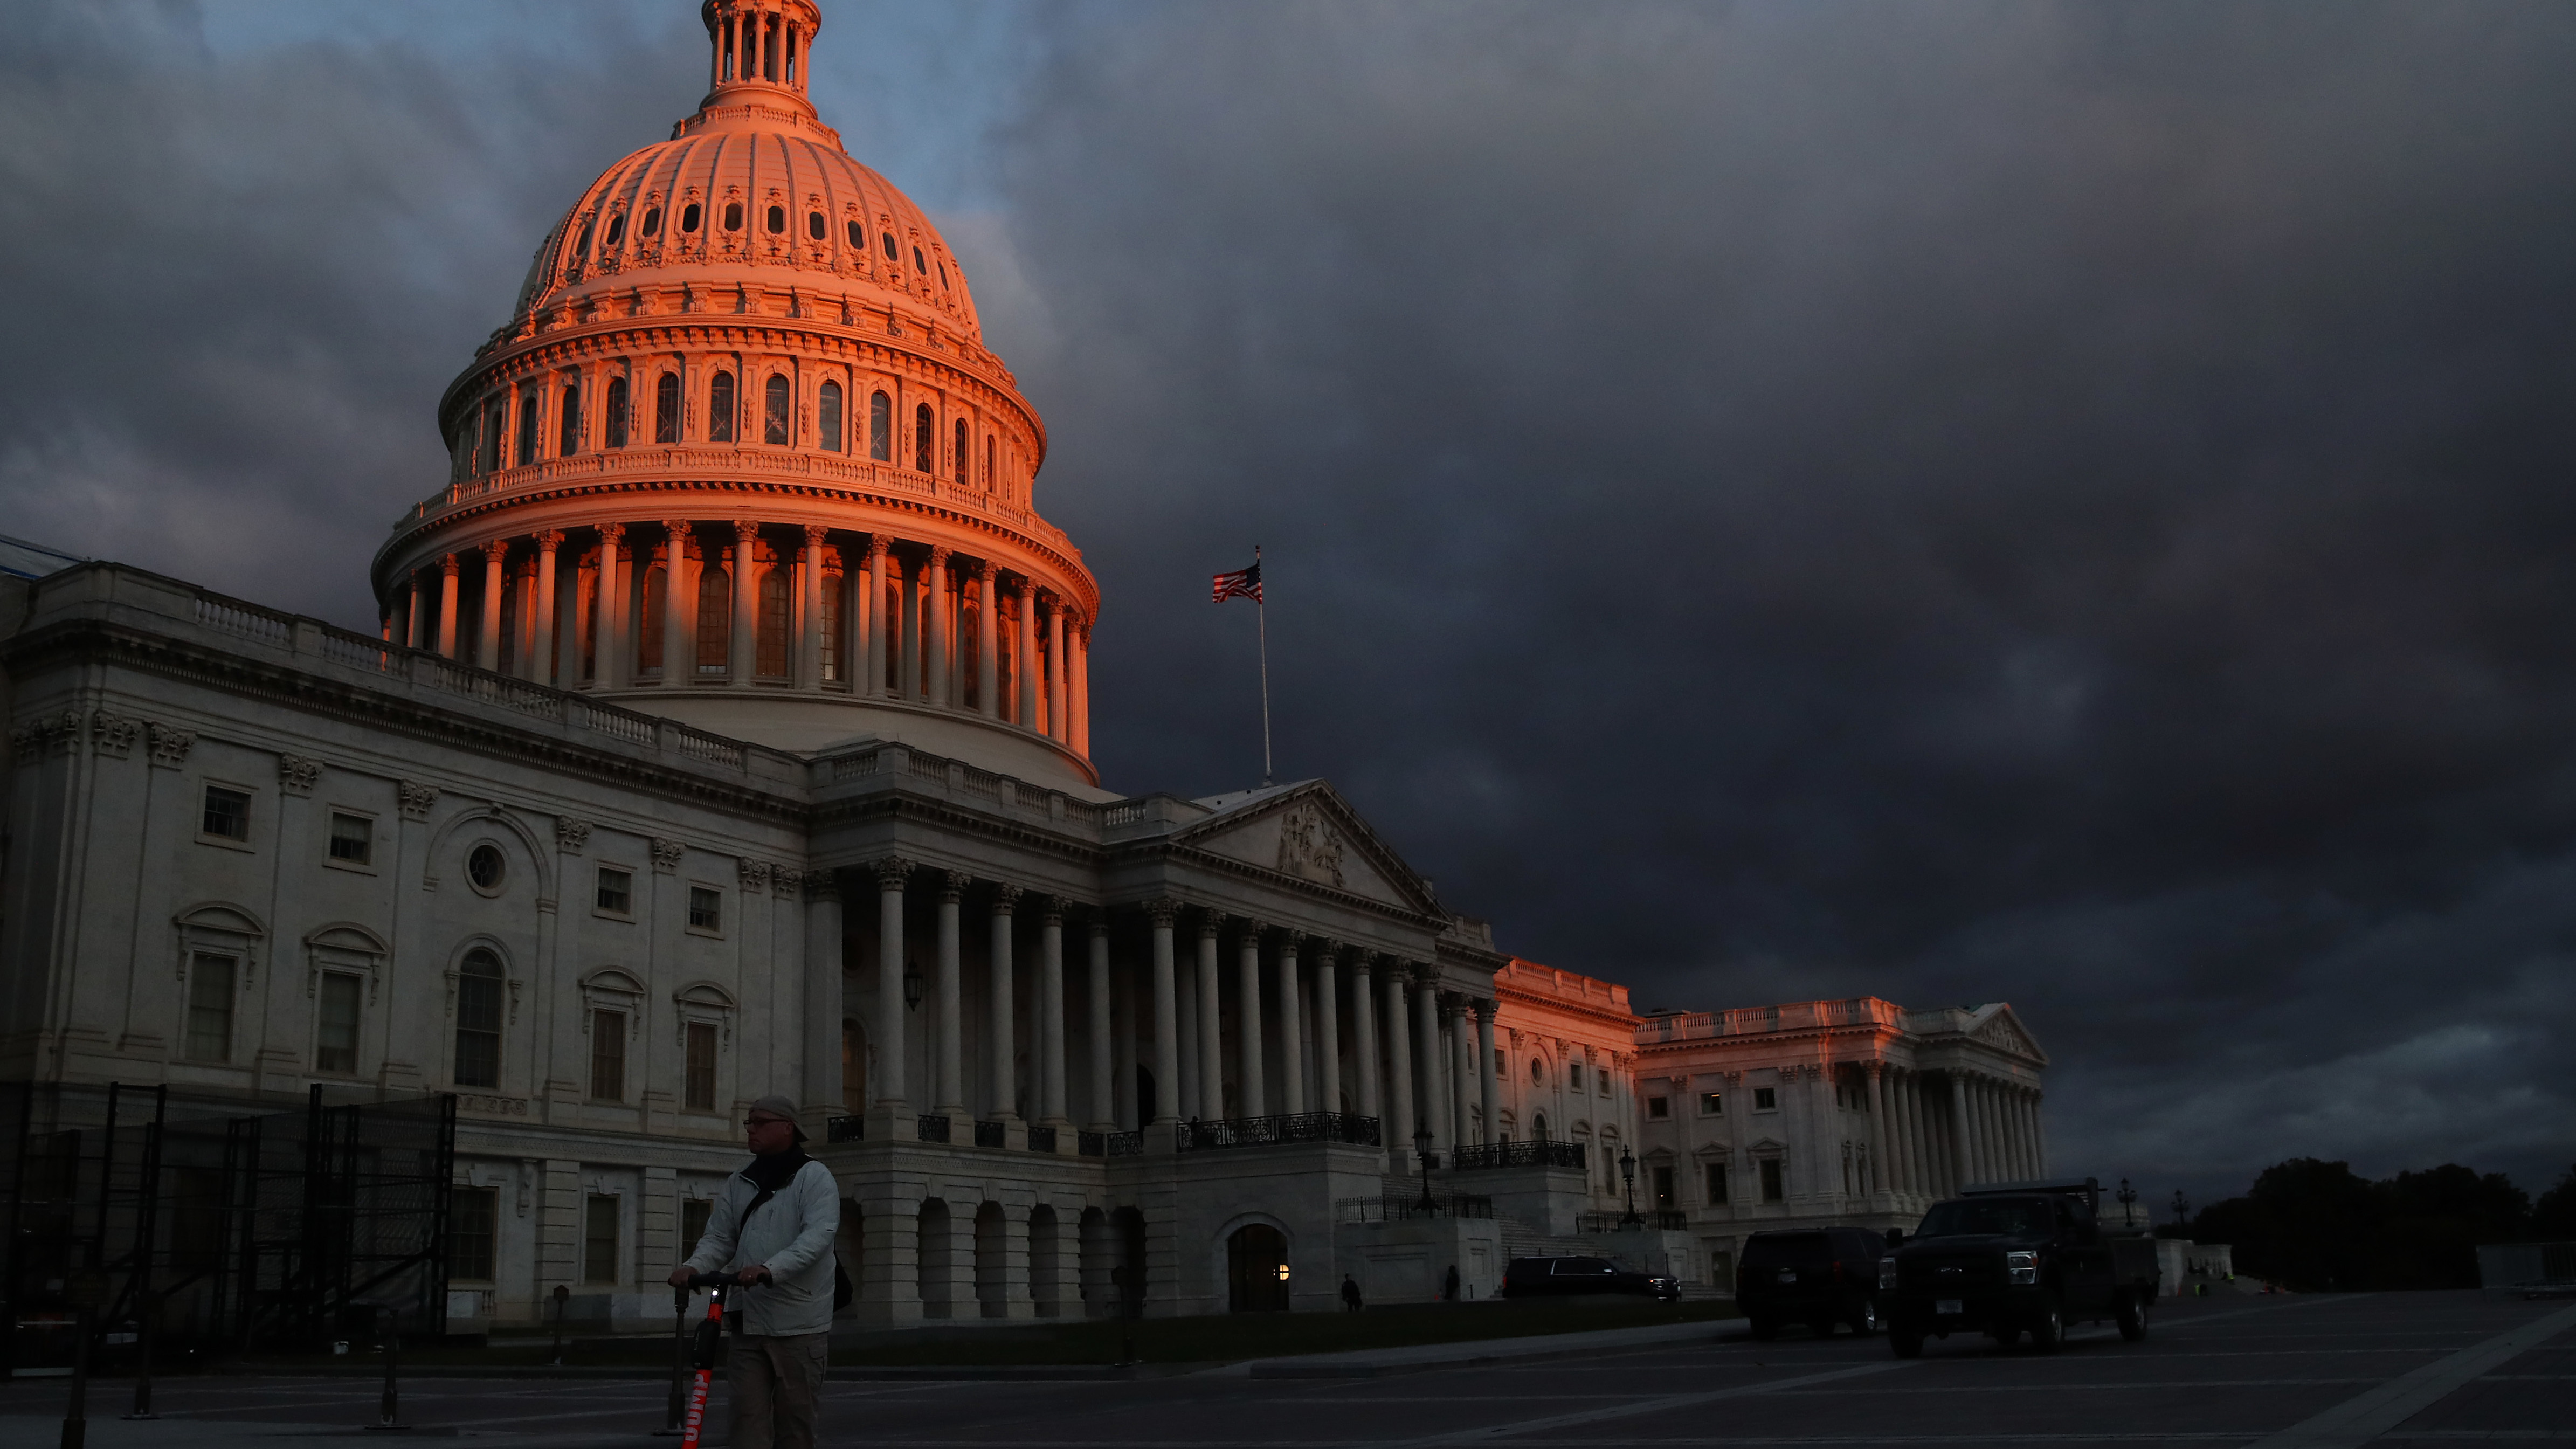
(702, 1350)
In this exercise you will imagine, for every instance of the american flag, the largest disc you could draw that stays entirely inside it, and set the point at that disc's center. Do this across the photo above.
(1241, 584)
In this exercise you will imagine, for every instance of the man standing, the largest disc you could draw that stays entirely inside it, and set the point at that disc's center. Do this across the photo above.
(772, 1225)
(1350, 1294)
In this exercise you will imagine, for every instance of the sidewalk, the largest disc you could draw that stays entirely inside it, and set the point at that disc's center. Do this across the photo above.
(1377, 1362)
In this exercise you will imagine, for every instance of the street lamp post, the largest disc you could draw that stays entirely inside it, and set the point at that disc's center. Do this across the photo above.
(1422, 1150)
(1628, 1174)
(2128, 1197)
(2181, 1208)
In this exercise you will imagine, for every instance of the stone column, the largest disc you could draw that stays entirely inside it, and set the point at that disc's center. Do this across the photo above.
(447, 604)
(809, 657)
(1104, 1104)
(1122, 1032)
(1878, 1173)
(1211, 1023)
(1167, 1024)
(1403, 1118)
(890, 1087)
(1429, 1078)
(675, 646)
(943, 692)
(1185, 1013)
(1364, 1039)
(823, 1007)
(487, 640)
(1051, 1094)
(1026, 659)
(999, 991)
(1055, 676)
(608, 621)
(1487, 1084)
(949, 1023)
(541, 663)
(1081, 686)
(907, 684)
(2038, 1133)
(988, 668)
(1462, 1051)
(1920, 1162)
(1981, 1131)
(1247, 1010)
(1962, 1157)
(416, 626)
(1292, 1050)
(1328, 1032)
(746, 601)
(874, 686)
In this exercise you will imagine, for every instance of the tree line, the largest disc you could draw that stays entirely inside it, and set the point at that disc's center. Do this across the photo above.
(2318, 1227)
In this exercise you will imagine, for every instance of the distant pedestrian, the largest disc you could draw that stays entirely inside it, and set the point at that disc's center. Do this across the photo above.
(1449, 1290)
(1350, 1294)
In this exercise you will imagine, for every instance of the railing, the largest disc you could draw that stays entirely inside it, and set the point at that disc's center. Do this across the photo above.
(1131, 812)
(1122, 1144)
(1518, 1154)
(845, 1129)
(931, 1129)
(1391, 1207)
(714, 749)
(1788, 1016)
(1198, 1136)
(1042, 1139)
(988, 1134)
(1091, 1144)
(235, 617)
(1662, 1220)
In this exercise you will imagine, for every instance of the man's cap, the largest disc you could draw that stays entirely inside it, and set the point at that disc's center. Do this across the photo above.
(778, 1106)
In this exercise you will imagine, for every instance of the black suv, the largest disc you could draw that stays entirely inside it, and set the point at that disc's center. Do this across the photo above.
(1816, 1276)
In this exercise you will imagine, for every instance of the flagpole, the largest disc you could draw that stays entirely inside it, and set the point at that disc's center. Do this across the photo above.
(1261, 613)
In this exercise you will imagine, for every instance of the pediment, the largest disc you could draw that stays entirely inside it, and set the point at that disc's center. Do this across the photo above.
(1309, 833)
(2003, 1031)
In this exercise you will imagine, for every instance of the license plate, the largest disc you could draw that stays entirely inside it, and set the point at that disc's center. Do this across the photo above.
(1950, 1306)
(1788, 1275)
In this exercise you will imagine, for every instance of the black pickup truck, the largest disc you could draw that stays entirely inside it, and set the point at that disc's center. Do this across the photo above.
(2012, 1258)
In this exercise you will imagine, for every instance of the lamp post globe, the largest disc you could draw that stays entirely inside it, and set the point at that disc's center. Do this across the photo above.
(1628, 1175)
(1422, 1152)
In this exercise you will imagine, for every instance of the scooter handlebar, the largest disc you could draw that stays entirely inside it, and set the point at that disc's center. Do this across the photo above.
(718, 1280)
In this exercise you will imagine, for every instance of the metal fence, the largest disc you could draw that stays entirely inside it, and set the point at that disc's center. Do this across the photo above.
(1661, 1220)
(1519, 1154)
(1392, 1207)
(1202, 1136)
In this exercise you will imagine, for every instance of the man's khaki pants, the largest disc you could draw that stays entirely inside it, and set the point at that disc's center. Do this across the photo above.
(776, 1381)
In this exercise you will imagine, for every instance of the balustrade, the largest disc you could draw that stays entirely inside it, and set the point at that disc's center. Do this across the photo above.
(1519, 1154)
(1346, 1127)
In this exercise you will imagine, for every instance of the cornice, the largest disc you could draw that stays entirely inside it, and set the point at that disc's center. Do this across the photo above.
(1211, 861)
(1624, 1020)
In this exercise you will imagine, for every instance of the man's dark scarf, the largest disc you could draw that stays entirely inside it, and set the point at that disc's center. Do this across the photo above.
(771, 1172)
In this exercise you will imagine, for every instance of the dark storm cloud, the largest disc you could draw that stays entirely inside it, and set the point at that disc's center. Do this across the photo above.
(2059, 504)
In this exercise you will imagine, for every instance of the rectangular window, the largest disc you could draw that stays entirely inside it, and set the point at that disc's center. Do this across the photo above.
(1659, 1107)
(1771, 1179)
(1712, 1104)
(608, 1056)
(335, 1038)
(1766, 1099)
(706, 908)
(210, 1008)
(1574, 1075)
(353, 838)
(599, 1255)
(1664, 1187)
(227, 814)
(1717, 1184)
(616, 890)
(700, 1095)
(693, 1222)
(473, 1214)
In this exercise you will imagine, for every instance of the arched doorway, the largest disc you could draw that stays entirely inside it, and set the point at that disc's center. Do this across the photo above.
(1256, 1261)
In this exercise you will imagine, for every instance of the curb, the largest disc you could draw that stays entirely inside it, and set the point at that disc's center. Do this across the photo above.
(1478, 1353)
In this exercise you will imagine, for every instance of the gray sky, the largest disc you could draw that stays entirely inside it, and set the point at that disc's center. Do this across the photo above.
(2064, 504)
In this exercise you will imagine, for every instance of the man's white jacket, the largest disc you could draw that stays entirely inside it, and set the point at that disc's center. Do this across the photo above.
(791, 1235)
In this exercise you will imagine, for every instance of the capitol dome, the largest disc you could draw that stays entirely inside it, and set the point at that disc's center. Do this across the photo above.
(740, 457)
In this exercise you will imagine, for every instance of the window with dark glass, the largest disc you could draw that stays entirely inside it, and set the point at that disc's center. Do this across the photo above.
(1717, 1184)
(890, 252)
(1574, 1075)
(485, 868)
(942, 268)
(472, 1215)
(773, 411)
(617, 228)
(616, 419)
(1770, 1169)
(1659, 1107)
(699, 1083)
(689, 217)
(733, 216)
(599, 1239)
(226, 813)
(210, 1008)
(494, 417)
(706, 908)
(827, 417)
(1663, 1187)
(568, 439)
(988, 462)
(608, 1056)
(961, 450)
(817, 225)
(666, 408)
(335, 1035)
(1712, 1104)
(858, 236)
(918, 264)
(527, 428)
(880, 427)
(774, 593)
(1766, 1099)
(652, 222)
(924, 434)
(777, 220)
(720, 408)
(478, 1020)
(616, 892)
(832, 585)
(353, 838)
(715, 620)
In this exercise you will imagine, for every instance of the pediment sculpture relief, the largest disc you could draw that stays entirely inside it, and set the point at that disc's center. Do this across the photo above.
(1309, 846)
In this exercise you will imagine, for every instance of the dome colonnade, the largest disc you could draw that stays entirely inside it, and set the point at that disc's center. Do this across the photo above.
(741, 438)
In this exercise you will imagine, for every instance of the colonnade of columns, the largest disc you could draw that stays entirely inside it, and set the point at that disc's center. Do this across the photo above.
(681, 603)
(1929, 1135)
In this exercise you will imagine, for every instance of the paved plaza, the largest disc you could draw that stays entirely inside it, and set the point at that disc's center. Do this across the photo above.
(2271, 1372)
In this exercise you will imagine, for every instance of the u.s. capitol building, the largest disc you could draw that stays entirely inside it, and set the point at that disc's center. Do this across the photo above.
(728, 733)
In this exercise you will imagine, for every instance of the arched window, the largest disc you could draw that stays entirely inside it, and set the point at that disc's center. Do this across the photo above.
(715, 619)
(777, 220)
(773, 411)
(616, 412)
(720, 408)
(918, 264)
(581, 244)
(889, 248)
(774, 593)
(689, 217)
(961, 450)
(858, 236)
(652, 222)
(881, 427)
(478, 1020)
(943, 276)
(527, 428)
(568, 436)
(1538, 1127)
(816, 226)
(925, 434)
(988, 463)
(733, 216)
(495, 417)
(827, 417)
(648, 632)
(666, 408)
(616, 229)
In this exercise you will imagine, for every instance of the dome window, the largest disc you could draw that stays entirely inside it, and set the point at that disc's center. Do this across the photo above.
(858, 237)
(817, 225)
(617, 228)
(652, 222)
(666, 408)
(583, 243)
(918, 264)
(925, 434)
(891, 254)
(773, 411)
(568, 413)
(527, 452)
(827, 415)
(689, 217)
(616, 419)
(881, 427)
(777, 219)
(962, 452)
(943, 276)
(733, 216)
(720, 408)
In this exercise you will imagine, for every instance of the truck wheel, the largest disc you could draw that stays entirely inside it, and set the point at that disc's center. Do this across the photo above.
(1864, 1319)
(2133, 1318)
(2048, 1326)
(1905, 1342)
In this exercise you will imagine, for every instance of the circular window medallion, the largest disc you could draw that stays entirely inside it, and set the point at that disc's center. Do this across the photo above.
(486, 869)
